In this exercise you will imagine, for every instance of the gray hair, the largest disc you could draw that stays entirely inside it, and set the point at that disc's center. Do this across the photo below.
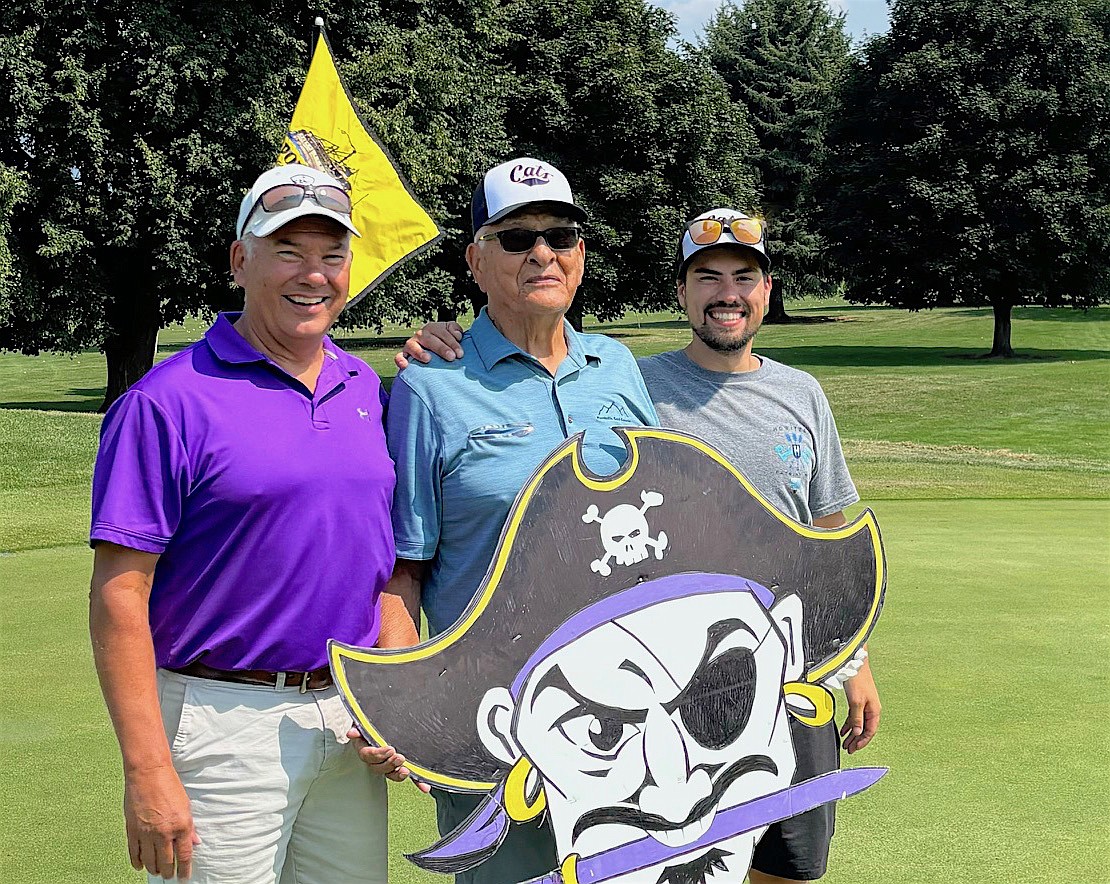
(250, 243)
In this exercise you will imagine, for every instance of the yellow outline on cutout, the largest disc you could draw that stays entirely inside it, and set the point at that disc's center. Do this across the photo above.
(338, 651)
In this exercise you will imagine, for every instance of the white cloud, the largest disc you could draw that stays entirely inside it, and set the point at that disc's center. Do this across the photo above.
(864, 16)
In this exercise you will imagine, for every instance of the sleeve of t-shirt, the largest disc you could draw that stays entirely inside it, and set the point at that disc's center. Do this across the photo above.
(416, 447)
(141, 477)
(831, 488)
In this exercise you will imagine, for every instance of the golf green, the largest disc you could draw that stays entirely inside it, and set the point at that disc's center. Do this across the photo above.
(992, 658)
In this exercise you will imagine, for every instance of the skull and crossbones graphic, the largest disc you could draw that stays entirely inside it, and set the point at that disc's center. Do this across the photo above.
(624, 533)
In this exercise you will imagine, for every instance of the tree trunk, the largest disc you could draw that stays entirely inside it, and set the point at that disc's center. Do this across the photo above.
(776, 312)
(478, 299)
(130, 347)
(1001, 345)
(575, 315)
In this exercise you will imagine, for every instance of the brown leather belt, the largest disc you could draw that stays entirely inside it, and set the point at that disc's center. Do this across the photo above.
(316, 680)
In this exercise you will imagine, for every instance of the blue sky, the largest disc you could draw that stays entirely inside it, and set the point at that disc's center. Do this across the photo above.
(864, 16)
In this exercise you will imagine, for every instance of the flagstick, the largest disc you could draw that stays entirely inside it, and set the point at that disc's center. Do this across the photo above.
(317, 30)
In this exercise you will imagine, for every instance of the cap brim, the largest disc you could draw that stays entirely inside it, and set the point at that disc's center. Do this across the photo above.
(571, 209)
(762, 257)
(267, 223)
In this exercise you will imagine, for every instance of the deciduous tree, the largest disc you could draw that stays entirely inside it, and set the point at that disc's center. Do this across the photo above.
(130, 131)
(973, 159)
(136, 128)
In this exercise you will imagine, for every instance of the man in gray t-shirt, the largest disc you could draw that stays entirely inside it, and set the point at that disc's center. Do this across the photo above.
(774, 424)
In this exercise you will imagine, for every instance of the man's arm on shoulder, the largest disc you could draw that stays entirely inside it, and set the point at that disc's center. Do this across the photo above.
(864, 708)
(441, 338)
(159, 824)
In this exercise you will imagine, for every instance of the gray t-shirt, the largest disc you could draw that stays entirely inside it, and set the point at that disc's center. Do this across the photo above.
(774, 424)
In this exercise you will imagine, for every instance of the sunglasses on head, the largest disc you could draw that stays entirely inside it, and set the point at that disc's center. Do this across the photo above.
(706, 231)
(522, 239)
(289, 196)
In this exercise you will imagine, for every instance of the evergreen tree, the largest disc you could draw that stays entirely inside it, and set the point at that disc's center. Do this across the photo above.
(973, 159)
(782, 61)
(645, 134)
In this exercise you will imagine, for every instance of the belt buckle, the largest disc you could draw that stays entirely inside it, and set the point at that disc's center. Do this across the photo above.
(304, 682)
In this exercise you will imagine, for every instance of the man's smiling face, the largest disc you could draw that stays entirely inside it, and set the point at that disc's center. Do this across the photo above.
(295, 280)
(725, 295)
(653, 722)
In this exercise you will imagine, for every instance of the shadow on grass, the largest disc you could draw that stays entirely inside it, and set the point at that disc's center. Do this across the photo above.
(613, 330)
(90, 400)
(352, 342)
(173, 346)
(370, 342)
(1020, 314)
(608, 328)
(924, 356)
(1044, 314)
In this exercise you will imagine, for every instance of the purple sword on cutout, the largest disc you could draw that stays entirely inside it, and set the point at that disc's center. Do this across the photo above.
(728, 823)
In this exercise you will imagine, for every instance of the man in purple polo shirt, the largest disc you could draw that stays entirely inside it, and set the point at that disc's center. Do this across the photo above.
(240, 519)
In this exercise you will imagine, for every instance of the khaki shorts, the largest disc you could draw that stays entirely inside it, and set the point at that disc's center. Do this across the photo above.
(277, 792)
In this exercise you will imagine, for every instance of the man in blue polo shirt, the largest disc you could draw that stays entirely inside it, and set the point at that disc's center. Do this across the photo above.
(466, 435)
(240, 519)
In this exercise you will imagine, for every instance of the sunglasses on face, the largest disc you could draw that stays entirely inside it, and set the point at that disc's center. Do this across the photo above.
(289, 196)
(522, 239)
(706, 231)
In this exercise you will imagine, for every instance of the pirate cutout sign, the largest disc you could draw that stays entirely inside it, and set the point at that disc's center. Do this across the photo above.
(628, 667)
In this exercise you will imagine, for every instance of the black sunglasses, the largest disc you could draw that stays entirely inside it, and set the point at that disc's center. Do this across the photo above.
(523, 239)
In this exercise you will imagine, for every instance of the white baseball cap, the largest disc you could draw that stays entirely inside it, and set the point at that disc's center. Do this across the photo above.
(513, 185)
(702, 233)
(256, 220)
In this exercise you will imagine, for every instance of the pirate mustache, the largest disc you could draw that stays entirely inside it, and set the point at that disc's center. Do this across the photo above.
(653, 822)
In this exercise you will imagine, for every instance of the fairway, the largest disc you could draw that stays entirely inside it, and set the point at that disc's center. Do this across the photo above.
(990, 481)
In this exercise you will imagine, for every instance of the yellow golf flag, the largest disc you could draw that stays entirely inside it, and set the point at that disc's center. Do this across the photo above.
(327, 133)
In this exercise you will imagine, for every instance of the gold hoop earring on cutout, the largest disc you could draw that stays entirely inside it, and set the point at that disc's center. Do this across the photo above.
(814, 695)
(517, 805)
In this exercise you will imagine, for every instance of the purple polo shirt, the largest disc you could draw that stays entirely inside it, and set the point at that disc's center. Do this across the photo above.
(268, 505)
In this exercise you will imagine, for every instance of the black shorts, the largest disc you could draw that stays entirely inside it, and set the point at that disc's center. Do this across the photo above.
(798, 848)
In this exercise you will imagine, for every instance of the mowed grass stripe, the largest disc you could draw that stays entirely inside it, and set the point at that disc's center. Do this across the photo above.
(47, 470)
(886, 470)
(45, 476)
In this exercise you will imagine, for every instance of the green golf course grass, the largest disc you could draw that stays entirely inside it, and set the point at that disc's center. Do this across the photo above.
(991, 482)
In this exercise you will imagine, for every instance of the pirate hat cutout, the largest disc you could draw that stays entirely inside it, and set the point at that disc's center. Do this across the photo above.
(572, 539)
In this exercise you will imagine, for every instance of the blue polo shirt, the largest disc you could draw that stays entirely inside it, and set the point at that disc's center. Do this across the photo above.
(267, 503)
(466, 435)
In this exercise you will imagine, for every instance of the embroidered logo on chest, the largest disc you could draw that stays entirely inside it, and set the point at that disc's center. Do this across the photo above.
(615, 413)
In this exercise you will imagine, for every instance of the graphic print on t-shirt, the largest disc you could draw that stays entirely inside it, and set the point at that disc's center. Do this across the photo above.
(795, 457)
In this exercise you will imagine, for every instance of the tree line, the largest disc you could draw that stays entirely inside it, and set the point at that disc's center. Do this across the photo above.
(961, 158)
